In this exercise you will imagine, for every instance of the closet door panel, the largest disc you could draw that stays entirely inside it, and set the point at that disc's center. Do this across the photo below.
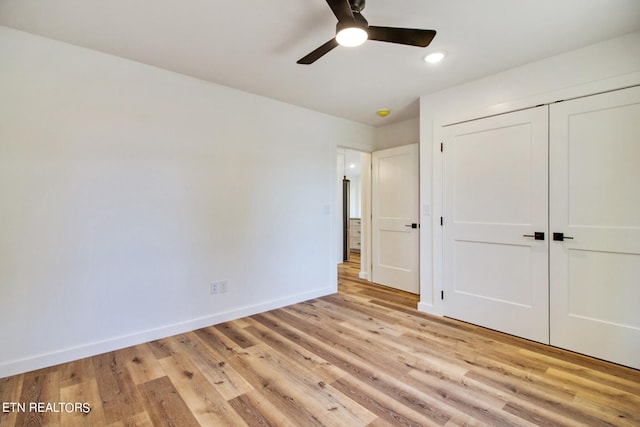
(595, 203)
(495, 200)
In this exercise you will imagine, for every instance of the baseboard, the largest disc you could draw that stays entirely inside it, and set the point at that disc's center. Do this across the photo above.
(429, 309)
(94, 348)
(363, 275)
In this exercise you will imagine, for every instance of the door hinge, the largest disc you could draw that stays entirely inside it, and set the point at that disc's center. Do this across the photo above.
(441, 294)
(441, 221)
(441, 147)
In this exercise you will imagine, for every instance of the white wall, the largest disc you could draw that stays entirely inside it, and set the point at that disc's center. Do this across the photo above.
(125, 190)
(355, 201)
(397, 134)
(604, 66)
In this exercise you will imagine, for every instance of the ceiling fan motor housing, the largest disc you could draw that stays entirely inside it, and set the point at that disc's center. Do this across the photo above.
(358, 21)
(357, 5)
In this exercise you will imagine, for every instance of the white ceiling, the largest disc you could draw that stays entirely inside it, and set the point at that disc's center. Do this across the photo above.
(254, 45)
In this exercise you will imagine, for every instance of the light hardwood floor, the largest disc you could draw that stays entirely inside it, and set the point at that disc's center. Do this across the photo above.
(363, 356)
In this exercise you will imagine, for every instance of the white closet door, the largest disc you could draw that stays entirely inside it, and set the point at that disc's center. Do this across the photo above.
(495, 194)
(595, 202)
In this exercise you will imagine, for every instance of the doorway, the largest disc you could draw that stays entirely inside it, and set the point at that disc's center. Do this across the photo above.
(382, 221)
(353, 188)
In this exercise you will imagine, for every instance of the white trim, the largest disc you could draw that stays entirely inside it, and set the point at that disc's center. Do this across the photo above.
(19, 366)
(430, 309)
(577, 91)
(365, 244)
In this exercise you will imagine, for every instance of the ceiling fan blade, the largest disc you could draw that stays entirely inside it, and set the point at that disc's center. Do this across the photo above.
(408, 36)
(318, 53)
(341, 9)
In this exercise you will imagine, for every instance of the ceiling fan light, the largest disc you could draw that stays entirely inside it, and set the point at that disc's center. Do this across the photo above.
(351, 36)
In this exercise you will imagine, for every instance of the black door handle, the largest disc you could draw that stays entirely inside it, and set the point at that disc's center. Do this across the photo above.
(560, 237)
(412, 225)
(537, 235)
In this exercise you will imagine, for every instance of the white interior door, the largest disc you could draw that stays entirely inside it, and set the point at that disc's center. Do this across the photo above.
(595, 202)
(395, 213)
(495, 194)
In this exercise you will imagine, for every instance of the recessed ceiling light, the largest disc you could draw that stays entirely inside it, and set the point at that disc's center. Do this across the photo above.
(352, 165)
(434, 57)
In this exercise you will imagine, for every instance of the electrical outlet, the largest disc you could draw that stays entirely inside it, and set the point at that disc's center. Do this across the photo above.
(219, 287)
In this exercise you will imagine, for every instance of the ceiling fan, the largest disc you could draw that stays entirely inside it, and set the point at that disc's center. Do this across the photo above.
(353, 30)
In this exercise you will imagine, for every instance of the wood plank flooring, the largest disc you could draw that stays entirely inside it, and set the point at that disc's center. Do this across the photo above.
(361, 357)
